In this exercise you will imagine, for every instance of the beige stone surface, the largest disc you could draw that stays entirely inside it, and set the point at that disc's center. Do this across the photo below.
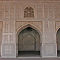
(49, 50)
(46, 21)
(1, 28)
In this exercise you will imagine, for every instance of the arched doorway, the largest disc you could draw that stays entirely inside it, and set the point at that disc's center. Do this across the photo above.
(28, 42)
(58, 42)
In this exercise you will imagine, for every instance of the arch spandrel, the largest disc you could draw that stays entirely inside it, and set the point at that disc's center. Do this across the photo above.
(28, 25)
(35, 25)
(57, 25)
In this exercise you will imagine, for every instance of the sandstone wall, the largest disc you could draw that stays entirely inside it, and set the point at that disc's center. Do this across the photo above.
(46, 21)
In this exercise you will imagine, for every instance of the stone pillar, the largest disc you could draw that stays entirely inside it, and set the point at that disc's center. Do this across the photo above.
(49, 46)
(8, 42)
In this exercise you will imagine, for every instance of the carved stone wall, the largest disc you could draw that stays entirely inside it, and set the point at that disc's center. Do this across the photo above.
(46, 21)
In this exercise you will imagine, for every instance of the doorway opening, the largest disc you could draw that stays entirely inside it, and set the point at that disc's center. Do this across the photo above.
(28, 42)
(58, 42)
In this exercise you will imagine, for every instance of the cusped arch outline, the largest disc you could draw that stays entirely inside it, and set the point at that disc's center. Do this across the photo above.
(28, 25)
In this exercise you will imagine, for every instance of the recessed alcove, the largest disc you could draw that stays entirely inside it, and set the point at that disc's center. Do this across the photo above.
(28, 42)
(58, 42)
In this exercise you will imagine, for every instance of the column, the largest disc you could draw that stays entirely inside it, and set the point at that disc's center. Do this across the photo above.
(49, 46)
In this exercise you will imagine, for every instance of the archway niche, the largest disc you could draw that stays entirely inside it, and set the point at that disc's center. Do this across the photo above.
(58, 42)
(29, 42)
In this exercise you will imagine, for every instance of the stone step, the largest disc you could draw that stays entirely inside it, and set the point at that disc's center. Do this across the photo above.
(30, 58)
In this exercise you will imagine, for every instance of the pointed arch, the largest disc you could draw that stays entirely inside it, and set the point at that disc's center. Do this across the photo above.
(28, 25)
(25, 27)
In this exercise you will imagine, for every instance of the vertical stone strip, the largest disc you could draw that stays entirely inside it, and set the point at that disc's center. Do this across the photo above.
(8, 41)
(49, 39)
